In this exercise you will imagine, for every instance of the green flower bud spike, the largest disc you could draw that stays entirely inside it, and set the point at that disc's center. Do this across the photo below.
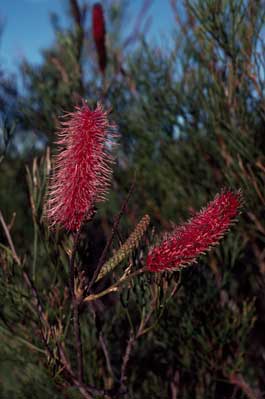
(127, 248)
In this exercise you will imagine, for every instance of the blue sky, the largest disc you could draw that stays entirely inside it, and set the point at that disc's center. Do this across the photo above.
(27, 27)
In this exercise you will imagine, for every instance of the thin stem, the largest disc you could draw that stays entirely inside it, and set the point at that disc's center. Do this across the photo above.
(78, 343)
(113, 287)
(35, 248)
(9, 239)
(238, 380)
(126, 357)
(106, 354)
(87, 391)
(75, 305)
(72, 266)
(142, 329)
(110, 240)
(40, 312)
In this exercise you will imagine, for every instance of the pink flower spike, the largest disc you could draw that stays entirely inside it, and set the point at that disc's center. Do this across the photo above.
(82, 171)
(198, 235)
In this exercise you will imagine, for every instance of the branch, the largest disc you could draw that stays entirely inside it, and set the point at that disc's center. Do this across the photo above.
(75, 305)
(110, 240)
(142, 329)
(88, 391)
(106, 354)
(114, 287)
(238, 380)
(174, 385)
(9, 239)
(126, 358)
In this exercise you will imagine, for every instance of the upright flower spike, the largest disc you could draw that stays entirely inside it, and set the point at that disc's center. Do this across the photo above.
(82, 171)
(98, 28)
(198, 235)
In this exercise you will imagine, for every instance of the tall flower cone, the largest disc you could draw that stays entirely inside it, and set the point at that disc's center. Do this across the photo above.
(82, 172)
(198, 235)
(98, 29)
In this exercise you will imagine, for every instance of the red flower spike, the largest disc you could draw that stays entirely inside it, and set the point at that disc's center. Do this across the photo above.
(198, 235)
(82, 170)
(98, 28)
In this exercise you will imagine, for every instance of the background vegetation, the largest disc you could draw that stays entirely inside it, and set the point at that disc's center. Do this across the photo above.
(191, 118)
